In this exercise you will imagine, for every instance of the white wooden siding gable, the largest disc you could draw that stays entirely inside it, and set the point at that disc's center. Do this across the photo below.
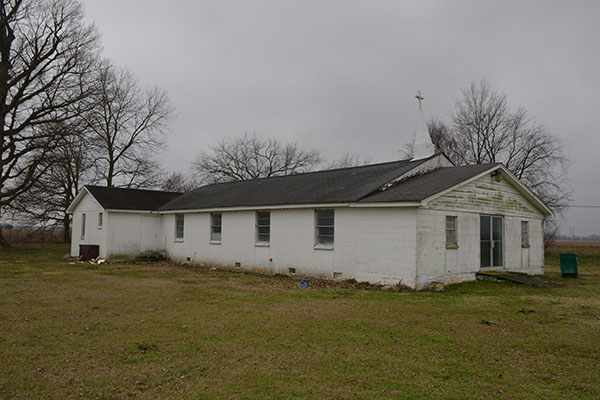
(84, 192)
(483, 193)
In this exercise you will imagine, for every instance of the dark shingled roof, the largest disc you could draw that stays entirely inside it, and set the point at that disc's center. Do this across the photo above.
(426, 185)
(332, 186)
(130, 199)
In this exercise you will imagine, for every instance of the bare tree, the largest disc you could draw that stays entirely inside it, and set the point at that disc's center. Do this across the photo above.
(250, 157)
(127, 124)
(348, 160)
(178, 182)
(68, 166)
(46, 56)
(486, 130)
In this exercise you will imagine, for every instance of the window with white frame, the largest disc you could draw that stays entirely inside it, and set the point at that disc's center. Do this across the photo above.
(324, 227)
(215, 227)
(525, 233)
(82, 226)
(99, 220)
(263, 226)
(179, 224)
(451, 231)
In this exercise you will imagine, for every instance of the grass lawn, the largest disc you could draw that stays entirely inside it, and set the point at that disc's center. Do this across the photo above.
(159, 331)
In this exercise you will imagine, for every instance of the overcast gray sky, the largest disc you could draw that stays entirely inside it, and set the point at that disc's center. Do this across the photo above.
(342, 75)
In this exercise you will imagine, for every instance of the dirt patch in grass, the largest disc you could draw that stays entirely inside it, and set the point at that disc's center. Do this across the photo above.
(260, 281)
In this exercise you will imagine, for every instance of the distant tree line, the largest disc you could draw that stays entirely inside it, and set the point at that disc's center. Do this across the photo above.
(587, 238)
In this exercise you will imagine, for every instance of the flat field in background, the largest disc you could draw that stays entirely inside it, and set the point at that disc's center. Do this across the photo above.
(119, 331)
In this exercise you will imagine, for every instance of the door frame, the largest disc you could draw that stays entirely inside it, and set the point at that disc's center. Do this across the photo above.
(503, 241)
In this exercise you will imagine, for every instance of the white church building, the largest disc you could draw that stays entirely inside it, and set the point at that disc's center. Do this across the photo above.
(411, 222)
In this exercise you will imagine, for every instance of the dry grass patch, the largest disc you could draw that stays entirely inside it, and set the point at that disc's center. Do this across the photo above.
(165, 331)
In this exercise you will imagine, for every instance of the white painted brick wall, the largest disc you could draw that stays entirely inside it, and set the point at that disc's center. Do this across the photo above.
(132, 233)
(385, 245)
(375, 245)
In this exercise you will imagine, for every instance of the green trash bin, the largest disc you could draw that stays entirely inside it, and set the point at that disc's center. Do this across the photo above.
(568, 264)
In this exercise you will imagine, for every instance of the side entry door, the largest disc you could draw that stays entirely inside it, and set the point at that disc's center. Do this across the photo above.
(492, 241)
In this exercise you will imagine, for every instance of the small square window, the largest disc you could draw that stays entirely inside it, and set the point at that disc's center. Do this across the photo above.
(324, 227)
(525, 233)
(451, 231)
(179, 223)
(263, 226)
(215, 227)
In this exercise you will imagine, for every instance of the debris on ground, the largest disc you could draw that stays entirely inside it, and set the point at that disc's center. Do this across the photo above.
(434, 287)
(516, 277)
(68, 257)
(286, 280)
(486, 322)
(304, 283)
(144, 346)
(526, 311)
(150, 257)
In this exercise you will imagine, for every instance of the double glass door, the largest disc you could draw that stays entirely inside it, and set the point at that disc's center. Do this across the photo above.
(492, 241)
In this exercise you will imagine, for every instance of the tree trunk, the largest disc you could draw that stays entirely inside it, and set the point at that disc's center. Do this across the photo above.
(3, 243)
(66, 227)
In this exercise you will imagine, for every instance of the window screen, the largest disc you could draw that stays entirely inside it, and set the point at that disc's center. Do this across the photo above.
(324, 223)
(179, 221)
(99, 220)
(525, 232)
(215, 227)
(451, 225)
(263, 226)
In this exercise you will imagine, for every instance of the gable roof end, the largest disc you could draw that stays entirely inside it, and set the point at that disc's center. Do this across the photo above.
(111, 198)
(426, 187)
(513, 180)
(77, 199)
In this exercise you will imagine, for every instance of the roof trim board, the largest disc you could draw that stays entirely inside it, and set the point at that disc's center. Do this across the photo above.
(293, 206)
(116, 210)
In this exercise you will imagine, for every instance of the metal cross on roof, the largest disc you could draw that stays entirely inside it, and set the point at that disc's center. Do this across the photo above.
(420, 98)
